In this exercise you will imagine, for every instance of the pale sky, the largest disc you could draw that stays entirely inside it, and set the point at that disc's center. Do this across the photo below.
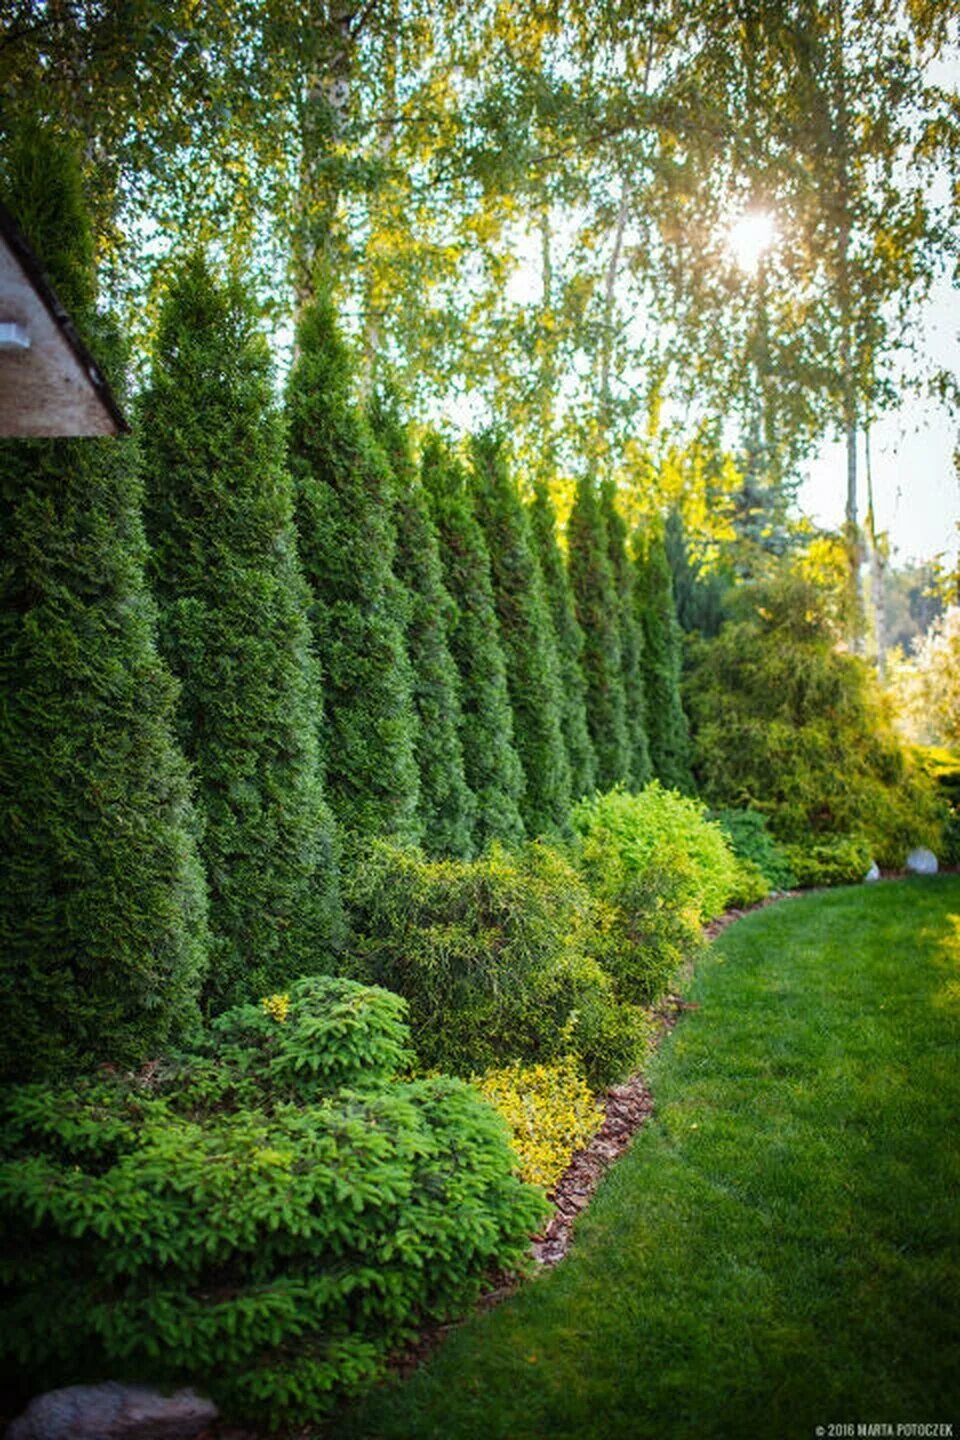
(916, 487)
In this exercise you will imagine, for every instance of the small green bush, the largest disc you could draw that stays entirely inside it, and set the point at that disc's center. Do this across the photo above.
(496, 957)
(239, 1221)
(831, 860)
(942, 766)
(750, 840)
(664, 869)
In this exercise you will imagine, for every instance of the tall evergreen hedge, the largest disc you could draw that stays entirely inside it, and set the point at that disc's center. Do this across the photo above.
(447, 806)
(491, 765)
(631, 640)
(344, 495)
(234, 629)
(667, 731)
(569, 640)
(103, 940)
(526, 633)
(597, 607)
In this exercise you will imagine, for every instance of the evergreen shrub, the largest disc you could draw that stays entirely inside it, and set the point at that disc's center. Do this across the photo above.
(550, 1111)
(788, 724)
(446, 804)
(103, 940)
(240, 1221)
(344, 499)
(630, 624)
(570, 644)
(830, 860)
(527, 638)
(491, 766)
(662, 661)
(235, 631)
(496, 958)
(748, 834)
(598, 610)
(663, 869)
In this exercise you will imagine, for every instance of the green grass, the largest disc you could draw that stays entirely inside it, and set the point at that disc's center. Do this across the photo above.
(779, 1248)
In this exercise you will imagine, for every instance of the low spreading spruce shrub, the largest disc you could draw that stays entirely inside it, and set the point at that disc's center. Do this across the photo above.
(662, 868)
(496, 958)
(242, 1221)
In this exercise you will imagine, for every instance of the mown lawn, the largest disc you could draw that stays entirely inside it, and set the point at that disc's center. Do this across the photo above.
(779, 1249)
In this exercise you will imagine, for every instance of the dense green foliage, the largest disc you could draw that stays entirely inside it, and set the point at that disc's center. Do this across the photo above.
(668, 735)
(491, 766)
(526, 635)
(234, 629)
(496, 958)
(446, 805)
(787, 724)
(597, 607)
(783, 1229)
(346, 542)
(750, 840)
(663, 869)
(830, 860)
(242, 1220)
(102, 903)
(569, 641)
(631, 640)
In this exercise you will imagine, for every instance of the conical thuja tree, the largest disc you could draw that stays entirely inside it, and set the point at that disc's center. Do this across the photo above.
(526, 634)
(234, 628)
(490, 761)
(447, 806)
(569, 641)
(597, 607)
(631, 639)
(667, 732)
(103, 939)
(343, 488)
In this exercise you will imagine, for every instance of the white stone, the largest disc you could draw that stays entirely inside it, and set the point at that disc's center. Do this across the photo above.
(873, 873)
(922, 862)
(113, 1412)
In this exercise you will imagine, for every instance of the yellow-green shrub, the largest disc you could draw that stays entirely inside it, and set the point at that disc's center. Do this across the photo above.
(496, 958)
(550, 1111)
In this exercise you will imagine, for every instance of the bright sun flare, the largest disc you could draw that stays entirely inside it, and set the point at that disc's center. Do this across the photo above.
(750, 236)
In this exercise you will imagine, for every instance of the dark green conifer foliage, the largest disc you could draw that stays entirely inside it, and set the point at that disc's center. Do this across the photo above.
(234, 629)
(597, 606)
(526, 634)
(447, 806)
(667, 731)
(344, 494)
(569, 638)
(490, 761)
(631, 640)
(103, 938)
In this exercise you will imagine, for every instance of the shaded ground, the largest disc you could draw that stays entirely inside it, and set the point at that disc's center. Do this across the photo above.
(778, 1248)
